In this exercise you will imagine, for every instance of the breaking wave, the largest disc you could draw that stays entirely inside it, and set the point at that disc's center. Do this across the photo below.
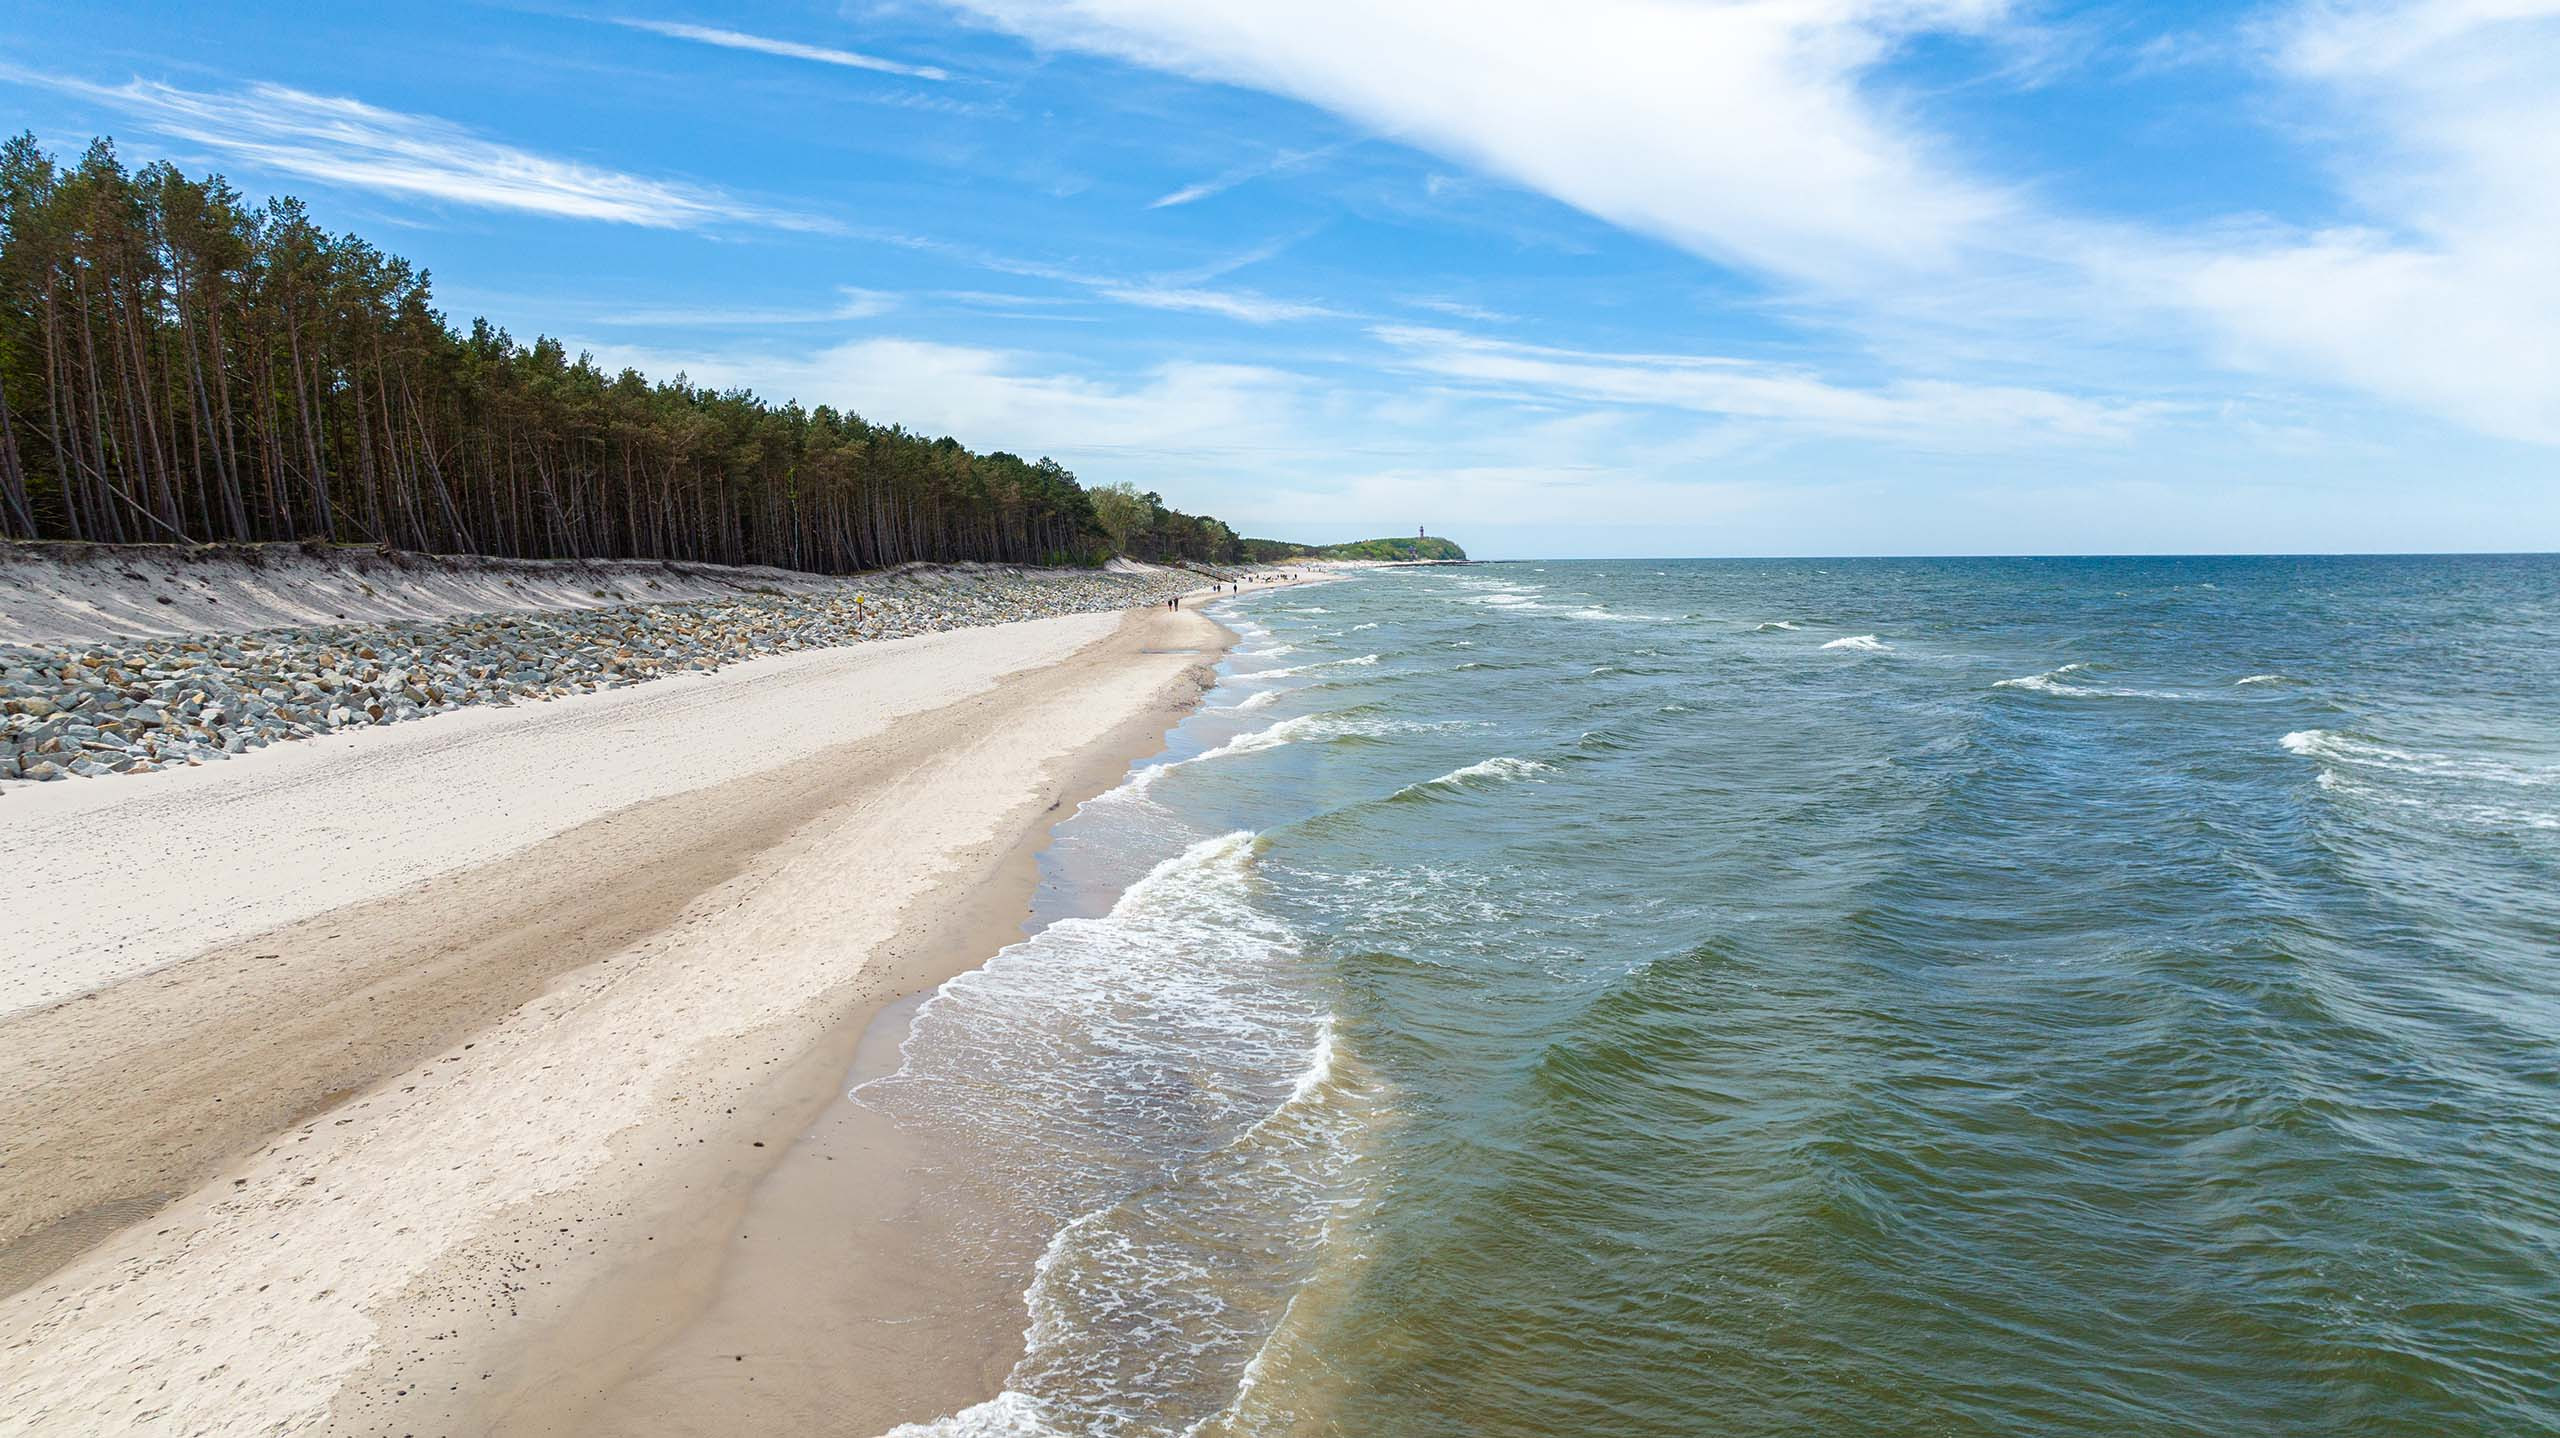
(2052, 682)
(2335, 747)
(1193, 1112)
(1361, 662)
(1499, 769)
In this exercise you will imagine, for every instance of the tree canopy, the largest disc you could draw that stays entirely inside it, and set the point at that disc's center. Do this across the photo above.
(176, 364)
(1278, 551)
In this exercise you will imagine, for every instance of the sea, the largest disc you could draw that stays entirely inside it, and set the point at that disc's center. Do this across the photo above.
(2000, 996)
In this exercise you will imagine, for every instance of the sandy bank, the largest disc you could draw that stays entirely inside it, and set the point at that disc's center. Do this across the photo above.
(418, 1023)
(72, 593)
(76, 593)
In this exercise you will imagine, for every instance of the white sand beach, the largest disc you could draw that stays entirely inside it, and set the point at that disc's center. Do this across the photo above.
(412, 1031)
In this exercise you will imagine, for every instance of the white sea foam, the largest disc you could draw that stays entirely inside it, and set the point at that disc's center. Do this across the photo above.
(1502, 768)
(1356, 628)
(1774, 625)
(2263, 679)
(2051, 682)
(2333, 747)
(1167, 1036)
(1259, 699)
(1007, 1415)
(1861, 643)
(1332, 724)
(1319, 1069)
(1359, 662)
(1287, 731)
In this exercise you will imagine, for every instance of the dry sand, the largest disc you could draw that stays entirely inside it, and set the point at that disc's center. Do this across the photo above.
(436, 1032)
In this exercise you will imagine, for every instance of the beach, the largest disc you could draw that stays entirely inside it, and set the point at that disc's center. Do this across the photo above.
(339, 1074)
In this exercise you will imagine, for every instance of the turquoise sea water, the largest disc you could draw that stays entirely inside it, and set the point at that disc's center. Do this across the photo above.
(1809, 997)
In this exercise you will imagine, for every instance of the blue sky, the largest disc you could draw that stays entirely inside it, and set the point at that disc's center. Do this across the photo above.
(1614, 277)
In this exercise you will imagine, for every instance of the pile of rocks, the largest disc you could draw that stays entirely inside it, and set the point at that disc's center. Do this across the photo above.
(136, 705)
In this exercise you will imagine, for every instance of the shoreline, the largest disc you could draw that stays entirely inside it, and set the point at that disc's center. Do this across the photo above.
(921, 1320)
(351, 1189)
(749, 1275)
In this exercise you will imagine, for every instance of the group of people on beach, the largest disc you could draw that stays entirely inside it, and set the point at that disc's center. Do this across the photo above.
(1237, 586)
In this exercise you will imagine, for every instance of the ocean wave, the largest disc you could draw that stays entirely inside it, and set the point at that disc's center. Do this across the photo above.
(2263, 679)
(1360, 662)
(1614, 616)
(2357, 751)
(1356, 628)
(1007, 1415)
(1861, 643)
(1502, 768)
(1194, 1113)
(1287, 731)
(1329, 726)
(2050, 682)
(1258, 699)
(1772, 626)
(2433, 804)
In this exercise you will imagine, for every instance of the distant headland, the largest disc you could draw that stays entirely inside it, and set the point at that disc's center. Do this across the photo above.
(1420, 548)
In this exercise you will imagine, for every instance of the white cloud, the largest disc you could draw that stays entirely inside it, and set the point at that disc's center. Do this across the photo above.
(1285, 162)
(1912, 411)
(850, 304)
(1234, 304)
(2447, 122)
(1756, 134)
(824, 55)
(1742, 131)
(1459, 310)
(1000, 399)
(347, 142)
(1179, 291)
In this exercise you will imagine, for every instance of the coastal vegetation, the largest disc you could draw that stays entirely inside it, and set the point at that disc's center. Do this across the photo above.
(179, 365)
(1402, 548)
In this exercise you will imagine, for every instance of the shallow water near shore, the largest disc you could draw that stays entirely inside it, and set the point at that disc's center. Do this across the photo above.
(1802, 997)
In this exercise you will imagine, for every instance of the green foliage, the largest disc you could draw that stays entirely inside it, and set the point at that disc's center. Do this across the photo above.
(1273, 551)
(1418, 547)
(1281, 551)
(175, 364)
(1122, 512)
